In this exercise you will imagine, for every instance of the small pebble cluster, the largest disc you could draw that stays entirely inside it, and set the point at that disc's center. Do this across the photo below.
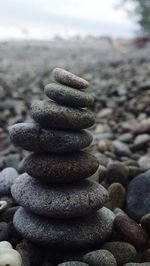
(62, 220)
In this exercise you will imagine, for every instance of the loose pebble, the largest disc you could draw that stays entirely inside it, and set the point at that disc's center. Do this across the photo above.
(100, 258)
(8, 255)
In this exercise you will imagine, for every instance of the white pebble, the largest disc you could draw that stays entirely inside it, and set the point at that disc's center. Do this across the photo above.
(8, 255)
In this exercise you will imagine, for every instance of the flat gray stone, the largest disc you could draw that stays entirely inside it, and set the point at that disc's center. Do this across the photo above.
(73, 263)
(67, 78)
(61, 201)
(75, 233)
(31, 137)
(61, 168)
(68, 96)
(53, 115)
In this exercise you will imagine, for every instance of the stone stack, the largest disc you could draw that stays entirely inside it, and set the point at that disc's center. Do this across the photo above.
(60, 206)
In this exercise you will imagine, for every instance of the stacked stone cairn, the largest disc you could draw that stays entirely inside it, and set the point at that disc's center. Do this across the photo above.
(60, 207)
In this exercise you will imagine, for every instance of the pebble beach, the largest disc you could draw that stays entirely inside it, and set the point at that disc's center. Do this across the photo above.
(91, 207)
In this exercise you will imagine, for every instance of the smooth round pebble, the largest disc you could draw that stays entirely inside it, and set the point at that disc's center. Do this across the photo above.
(31, 137)
(73, 263)
(53, 115)
(138, 196)
(65, 77)
(7, 178)
(117, 195)
(61, 168)
(68, 96)
(100, 258)
(131, 231)
(74, 200)
(145, 222)
(122, 251)
(73, 233)
(116, 173)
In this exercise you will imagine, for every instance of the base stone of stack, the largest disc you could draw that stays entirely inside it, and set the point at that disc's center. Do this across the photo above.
(72, 233)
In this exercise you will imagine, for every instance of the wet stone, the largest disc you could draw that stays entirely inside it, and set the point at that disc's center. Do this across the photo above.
(31, 137)
(75, 233)
(52, 115)
(65, 77)
(73, 200)
(61, 168)
(68, 96)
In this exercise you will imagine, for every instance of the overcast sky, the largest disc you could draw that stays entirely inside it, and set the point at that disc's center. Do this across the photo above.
(40, 19)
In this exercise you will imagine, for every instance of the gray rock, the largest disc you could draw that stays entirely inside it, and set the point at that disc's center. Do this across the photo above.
(7, 178)
(116, 173)
(141, 141)
(100, 258)
(4, 231)
(74, 233)
(61, 168)
(67, 78)
(144, 162)
(123, 252)
(138, 196)
(73, 263)
(53, 115)
(120, 148)
(145, 222)
(73, 200)
(68, 96)
(137, 264)
(32, 137)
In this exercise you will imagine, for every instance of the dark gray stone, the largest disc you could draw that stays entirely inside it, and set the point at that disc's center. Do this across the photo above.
(53, 115)
(67, 78)
(145, 222)
(138, 196)
(61, 168)
(73, 200)
(75, 233)
(123, 252)
(31, 137)
(100, 258)
(68, 96)
(7, 178)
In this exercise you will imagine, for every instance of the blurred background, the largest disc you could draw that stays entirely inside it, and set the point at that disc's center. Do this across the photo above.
(105, 42)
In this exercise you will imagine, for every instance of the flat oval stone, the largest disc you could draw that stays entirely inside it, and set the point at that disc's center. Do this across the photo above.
(53, 115)
(61, 201)
(61, 168)
(75, 233)
(68, 96)
(31, 137)
(67, 78)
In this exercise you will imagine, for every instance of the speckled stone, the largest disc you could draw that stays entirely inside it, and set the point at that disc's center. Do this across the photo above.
(61, 168)
(7, 178)
(68, 96)
(100, 258)
(65, 77)
(53, 115)
(122, 251)
(31, 137)
(73, 263)
(73, 200)
(68, 234)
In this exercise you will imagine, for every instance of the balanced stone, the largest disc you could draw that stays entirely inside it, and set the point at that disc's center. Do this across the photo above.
(53, 115)
(63, 201)
(68, 96)
(61, 168)
(67, 78)
(31, 137)
(74, 233)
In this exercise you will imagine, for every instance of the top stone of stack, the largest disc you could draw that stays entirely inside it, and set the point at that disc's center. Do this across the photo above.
(66, 78)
